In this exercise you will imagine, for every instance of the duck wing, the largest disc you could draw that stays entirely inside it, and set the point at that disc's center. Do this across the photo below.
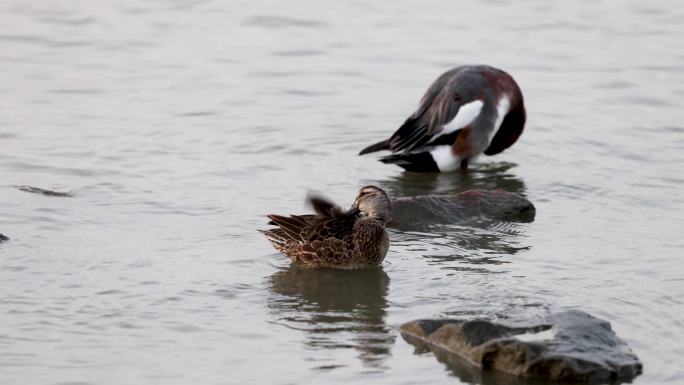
(339, 227)
(293, 226)
(330, 221)
(323, 206)
(310, 228)
(327, 252)
(441, 112)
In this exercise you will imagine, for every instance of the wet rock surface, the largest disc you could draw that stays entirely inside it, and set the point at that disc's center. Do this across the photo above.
(570, 347)
(493, 204)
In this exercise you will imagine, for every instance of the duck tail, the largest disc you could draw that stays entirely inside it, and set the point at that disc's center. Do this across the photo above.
(379, 146)
(418, 162)
(277, 237)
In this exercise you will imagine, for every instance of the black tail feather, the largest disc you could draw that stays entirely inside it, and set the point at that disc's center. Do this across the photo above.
(412, 134)
(418, 162)
(379, 146)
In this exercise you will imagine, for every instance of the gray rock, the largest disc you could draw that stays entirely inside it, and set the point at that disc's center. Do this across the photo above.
(493, 204)
(570, 346)
(3, 238)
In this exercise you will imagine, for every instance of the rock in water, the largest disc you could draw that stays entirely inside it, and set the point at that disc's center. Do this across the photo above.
(3, 238)
(493, 204)
(38, 190)
(570, 346)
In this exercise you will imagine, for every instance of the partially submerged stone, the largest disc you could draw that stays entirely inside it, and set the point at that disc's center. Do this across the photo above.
(38, 190)
(493, 204)
(3, 238)
(571, 346)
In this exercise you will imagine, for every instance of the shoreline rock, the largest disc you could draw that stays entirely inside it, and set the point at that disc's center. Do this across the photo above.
(570, 346)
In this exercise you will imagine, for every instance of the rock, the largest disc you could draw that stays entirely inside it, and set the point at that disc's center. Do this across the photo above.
(38, 190)
(3, 238)
(571, 346)
(494, 204)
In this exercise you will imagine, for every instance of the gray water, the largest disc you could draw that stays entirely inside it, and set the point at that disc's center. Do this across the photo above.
(179, 124)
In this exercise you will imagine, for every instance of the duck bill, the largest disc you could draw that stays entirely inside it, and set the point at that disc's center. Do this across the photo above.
(354, 209)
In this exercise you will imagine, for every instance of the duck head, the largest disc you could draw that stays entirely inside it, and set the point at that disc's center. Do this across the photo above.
(373, 202)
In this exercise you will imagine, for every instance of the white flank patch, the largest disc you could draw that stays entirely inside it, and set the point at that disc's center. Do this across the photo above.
(466, 114)
(445, 159)
(547, 334)
(502, 107)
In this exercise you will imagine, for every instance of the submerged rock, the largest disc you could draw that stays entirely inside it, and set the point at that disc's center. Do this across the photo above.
(38, 190)
(570, 346)
(494, 204)
(3, 238)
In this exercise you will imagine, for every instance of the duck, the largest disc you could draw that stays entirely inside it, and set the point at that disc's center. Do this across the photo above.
(467, 111)
(334, 237)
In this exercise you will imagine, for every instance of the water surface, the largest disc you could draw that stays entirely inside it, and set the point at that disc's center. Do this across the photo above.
(179, 124)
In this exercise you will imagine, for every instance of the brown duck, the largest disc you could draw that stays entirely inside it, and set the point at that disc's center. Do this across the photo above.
(334, 237)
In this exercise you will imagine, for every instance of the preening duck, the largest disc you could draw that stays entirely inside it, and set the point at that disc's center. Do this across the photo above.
(334, 237)
(467, 111)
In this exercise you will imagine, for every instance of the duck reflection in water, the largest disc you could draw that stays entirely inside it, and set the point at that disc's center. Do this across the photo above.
(337, 309)
(486, 176)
